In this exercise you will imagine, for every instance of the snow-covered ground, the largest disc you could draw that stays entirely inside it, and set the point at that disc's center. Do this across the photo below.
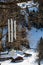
(27, 60)
(34, 36)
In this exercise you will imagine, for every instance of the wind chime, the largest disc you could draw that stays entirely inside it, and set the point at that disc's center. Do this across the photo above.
(11, 30)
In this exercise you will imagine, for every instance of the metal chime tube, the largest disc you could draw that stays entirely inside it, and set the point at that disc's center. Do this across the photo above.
(15, 29)
(9, 30)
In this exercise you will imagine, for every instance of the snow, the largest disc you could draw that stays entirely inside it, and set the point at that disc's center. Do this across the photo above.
(5, 56)
(29, 4)
(41, 62)
(4, 52)
(14, 54)
(4, 38)
(34, 36)
(27, 60)
(30, 60)
(33, 8)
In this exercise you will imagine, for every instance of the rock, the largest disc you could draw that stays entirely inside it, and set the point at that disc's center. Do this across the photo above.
(27, 55)
(18, 59)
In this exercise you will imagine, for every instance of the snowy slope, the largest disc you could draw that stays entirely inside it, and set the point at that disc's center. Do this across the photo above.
(34, 36)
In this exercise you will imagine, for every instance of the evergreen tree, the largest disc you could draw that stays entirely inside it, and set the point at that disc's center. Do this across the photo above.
(40, 47)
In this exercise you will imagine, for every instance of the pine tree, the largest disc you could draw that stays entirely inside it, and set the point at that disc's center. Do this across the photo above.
(40, 47)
